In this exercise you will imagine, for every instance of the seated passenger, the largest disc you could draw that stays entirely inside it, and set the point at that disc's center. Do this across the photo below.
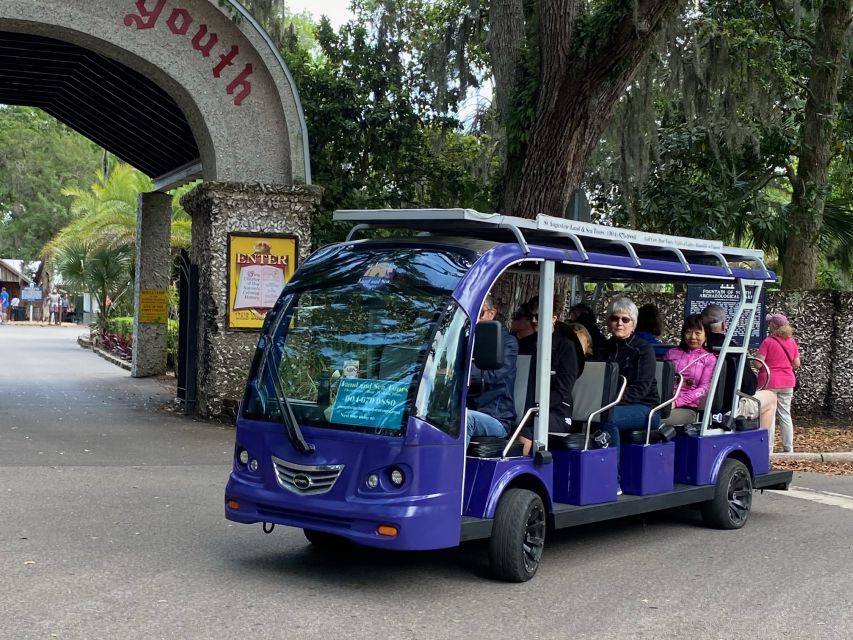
(491, 409)
(695, 363)
(564, 372)
(648, 324)
(584, 315)
(636, 362)
(762, 404)
(524, 322)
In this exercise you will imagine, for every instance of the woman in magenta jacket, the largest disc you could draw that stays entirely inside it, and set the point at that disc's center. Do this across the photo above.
(782, 355)
(695, 363)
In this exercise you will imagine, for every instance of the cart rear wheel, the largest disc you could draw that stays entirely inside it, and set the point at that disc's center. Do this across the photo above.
(732, 500)
(518, 536)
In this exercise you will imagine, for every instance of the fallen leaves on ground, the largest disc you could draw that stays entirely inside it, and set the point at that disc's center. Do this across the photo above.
(814, 466)
(819, 435)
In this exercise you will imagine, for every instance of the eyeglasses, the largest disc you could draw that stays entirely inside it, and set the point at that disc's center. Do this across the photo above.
(622, 319)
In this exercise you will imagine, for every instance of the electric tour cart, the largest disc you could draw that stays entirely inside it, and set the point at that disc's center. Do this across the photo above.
(352, 425)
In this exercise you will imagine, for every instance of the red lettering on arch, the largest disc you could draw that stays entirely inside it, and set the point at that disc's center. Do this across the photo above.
(146, 19)
(226, 61)
(206, 47)
(186, 21)
(241, 81)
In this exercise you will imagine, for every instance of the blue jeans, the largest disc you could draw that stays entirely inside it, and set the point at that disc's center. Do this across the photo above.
(627, 417)
(478, 423)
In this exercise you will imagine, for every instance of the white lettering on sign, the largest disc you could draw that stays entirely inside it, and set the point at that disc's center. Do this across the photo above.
(179, 22)
(550, 223)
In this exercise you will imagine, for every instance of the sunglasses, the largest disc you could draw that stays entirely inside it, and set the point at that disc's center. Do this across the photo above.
(622, 319)
(522, 316)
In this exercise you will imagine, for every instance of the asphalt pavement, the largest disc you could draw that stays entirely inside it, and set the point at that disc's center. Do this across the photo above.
(111, 526)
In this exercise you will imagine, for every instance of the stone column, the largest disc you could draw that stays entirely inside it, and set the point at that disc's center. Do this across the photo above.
(217, 209)
(151, 287)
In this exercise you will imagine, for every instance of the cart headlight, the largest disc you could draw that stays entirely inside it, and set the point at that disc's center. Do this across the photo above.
(243, 456)
(397, 477)
(372, 481)
(253, 464)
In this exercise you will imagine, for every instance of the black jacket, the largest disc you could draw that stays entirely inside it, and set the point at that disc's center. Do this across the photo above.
(564, 372)
(492, 391)
(636, 360)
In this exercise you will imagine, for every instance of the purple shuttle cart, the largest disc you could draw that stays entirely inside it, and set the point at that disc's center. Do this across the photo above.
(352, 426)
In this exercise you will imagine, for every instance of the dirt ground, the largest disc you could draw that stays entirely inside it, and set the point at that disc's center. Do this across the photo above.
(819, 435)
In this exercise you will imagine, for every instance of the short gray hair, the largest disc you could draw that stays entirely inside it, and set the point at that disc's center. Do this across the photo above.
(623, 305)
(713, 315)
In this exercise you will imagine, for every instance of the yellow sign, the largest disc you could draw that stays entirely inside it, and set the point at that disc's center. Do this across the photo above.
(258, 268)
(153, 306)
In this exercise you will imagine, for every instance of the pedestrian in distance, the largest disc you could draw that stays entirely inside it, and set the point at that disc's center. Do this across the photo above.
(782, 355)
(4, 305)
(55, 304)
(64, 307)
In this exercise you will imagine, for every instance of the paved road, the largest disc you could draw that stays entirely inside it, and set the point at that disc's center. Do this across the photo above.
(111, 527)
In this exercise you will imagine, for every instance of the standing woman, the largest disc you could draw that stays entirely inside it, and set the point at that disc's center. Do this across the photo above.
(782, 356)
(695, 363)
(636, 362)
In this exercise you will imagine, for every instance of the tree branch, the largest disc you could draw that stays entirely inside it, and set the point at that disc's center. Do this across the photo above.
(784, 28)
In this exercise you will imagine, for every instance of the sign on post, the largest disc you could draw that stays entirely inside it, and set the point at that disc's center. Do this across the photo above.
(31, 294)
(727, 296)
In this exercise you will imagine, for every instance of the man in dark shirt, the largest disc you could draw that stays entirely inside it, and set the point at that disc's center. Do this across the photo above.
(564, 372)
(762, 403)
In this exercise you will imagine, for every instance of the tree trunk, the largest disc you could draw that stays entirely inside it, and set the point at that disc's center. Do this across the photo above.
(507, 39)
(577, 95)
(816, 143)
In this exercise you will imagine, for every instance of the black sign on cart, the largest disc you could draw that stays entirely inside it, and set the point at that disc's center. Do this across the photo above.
(728, 297)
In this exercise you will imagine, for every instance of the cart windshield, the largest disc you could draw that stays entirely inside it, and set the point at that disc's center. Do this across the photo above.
(351, 334)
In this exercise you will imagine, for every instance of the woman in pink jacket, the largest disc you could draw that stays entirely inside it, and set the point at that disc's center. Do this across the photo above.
(695, 364)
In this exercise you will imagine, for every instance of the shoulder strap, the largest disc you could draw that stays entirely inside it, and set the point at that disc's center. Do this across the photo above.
(784, 350)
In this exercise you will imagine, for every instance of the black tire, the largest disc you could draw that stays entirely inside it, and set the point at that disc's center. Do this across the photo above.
(323, 540)
(518, 536)
(733, 497)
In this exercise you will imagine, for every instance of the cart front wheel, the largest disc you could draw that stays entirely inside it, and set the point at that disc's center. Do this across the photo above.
(518, 536)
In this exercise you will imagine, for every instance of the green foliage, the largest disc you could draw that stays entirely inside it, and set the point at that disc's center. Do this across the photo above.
(381, 129)
(38, 158)
(123, 326)
(710, 135)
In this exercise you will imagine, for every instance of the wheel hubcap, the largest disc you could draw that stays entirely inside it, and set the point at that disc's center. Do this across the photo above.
(740, 497)
(534, 538)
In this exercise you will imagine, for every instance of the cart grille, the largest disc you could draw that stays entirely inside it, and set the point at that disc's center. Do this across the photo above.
(304, 479)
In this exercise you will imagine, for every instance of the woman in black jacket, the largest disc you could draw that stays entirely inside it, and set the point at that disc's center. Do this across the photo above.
(636, 360)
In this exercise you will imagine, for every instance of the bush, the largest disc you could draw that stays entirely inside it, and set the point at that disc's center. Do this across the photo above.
(118, 338)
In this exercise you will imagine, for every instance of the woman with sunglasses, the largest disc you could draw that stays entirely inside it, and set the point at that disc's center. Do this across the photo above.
(636, 361)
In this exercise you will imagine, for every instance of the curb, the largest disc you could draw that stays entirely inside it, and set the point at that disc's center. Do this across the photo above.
(85, 343)
(830, 456)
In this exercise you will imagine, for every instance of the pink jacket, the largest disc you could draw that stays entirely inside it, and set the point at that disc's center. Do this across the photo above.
(697, 367)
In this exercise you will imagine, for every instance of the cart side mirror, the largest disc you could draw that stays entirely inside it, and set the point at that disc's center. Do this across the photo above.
(488, 345)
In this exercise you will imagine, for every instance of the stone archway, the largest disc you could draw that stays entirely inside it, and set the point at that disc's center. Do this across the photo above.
(180, 89)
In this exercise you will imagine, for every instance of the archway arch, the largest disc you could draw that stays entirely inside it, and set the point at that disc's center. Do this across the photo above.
(225, 81)
(180, 89)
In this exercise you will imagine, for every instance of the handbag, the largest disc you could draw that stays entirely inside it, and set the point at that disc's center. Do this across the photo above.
(790, 360)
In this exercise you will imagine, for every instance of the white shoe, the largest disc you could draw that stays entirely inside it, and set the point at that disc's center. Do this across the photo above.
(618, 491)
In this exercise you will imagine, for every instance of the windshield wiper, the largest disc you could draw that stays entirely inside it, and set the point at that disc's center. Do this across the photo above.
(287, 417)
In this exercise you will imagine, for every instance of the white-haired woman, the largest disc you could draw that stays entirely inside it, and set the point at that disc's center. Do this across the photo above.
(636, 360)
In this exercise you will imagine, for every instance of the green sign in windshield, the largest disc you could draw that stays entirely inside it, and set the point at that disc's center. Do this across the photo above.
(370, 403)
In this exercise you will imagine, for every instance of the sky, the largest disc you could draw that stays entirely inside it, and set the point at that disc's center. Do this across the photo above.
(337, 10)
